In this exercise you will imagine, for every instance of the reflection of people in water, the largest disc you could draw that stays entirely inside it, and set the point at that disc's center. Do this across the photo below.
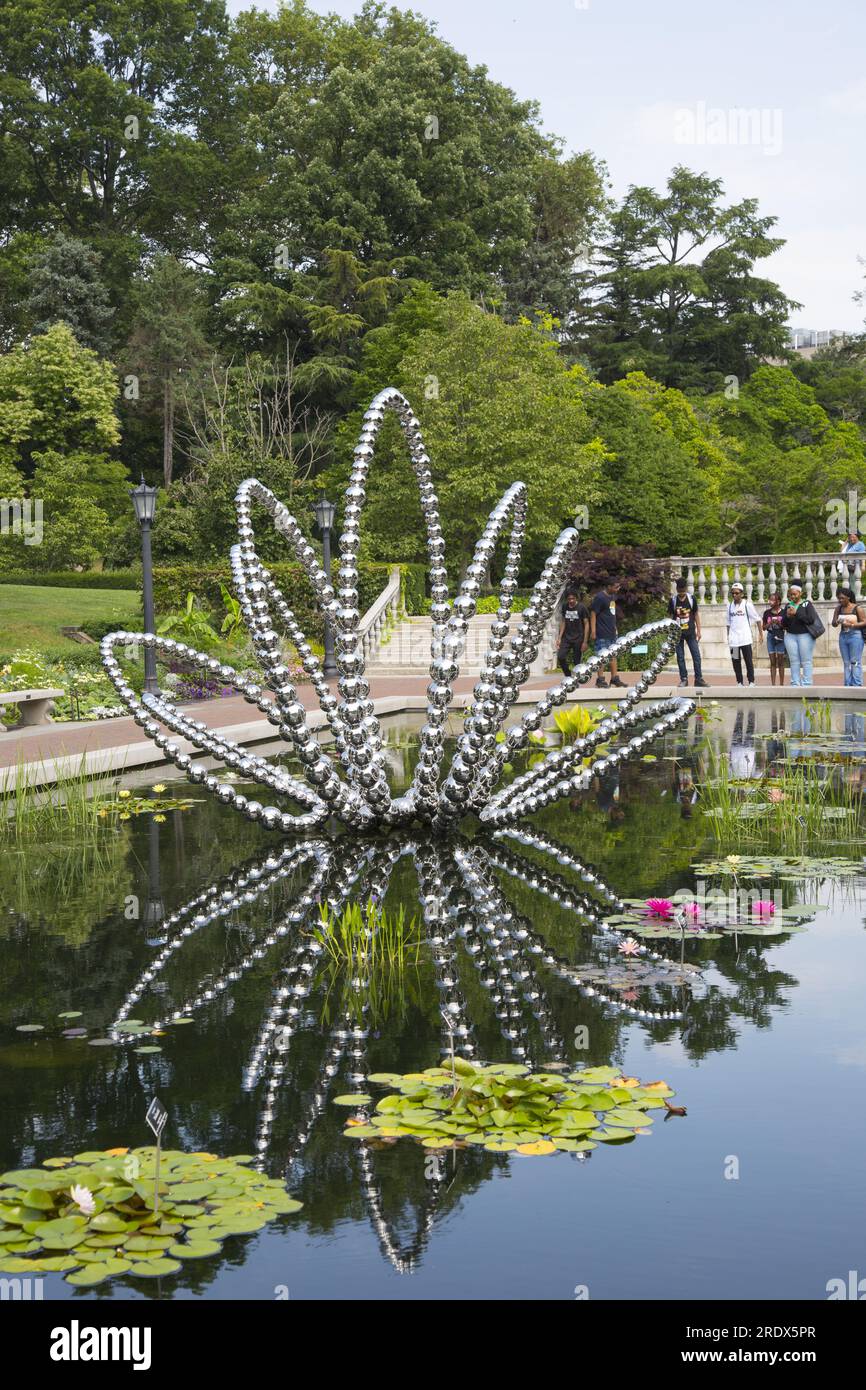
(607, 789)
(685, 790)
(742, 756)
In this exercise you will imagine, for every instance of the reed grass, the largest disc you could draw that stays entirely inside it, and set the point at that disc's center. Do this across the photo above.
(790, 810)
(72, 807)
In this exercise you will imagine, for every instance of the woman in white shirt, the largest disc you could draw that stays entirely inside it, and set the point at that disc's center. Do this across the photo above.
(742, 617)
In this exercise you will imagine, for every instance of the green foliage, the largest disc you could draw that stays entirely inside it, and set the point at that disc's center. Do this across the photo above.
(496, 402)
(652, 484)
(76, 579)
(507, 1108)
(208, 582)
(677, 296)
(66, 286)
(790, 461)
(34, 616)
(101, 1214)
(190, 625)
(575, 721)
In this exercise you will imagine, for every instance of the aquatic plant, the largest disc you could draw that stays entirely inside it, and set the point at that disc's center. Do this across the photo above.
(659, 907)
(96, 1215)
(506, 1108)
(785, 866)
(789, 807)
(576, 722)
(720, 913)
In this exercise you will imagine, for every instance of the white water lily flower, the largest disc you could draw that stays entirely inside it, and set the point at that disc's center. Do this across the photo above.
(83, 1199)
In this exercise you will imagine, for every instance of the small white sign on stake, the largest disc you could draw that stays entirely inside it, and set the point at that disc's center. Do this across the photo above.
(156, 1117)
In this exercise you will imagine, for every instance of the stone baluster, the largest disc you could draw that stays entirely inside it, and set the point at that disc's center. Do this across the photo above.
(772, 579)
(825, 580)
(784, 579)
(724, 573)
(808, 579)
(702, 584)
(714, 581)
(760, 566)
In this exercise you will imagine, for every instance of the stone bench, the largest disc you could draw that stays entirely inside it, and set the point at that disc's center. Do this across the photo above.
(34, 706)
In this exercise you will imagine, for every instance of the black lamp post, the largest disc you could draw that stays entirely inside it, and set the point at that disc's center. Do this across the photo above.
(325, 513)
(144, 501)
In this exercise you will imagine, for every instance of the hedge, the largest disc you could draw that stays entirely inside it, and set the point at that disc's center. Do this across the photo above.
(77, 579)
(172, 583)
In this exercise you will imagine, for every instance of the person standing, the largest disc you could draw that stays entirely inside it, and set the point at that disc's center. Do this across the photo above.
(849, 617)
(602, 625)
(802, 627)
(684, 608)
(573, 633)
(773, 625)
(854, 546)
(741, 619)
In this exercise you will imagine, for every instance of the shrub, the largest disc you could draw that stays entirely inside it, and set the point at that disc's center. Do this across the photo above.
(77, 579)
(643, 578)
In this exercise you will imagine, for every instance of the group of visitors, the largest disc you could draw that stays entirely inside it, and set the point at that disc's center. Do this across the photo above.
(792, 626)
(584, 624)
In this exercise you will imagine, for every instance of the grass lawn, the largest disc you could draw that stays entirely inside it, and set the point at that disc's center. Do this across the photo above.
(32, 616)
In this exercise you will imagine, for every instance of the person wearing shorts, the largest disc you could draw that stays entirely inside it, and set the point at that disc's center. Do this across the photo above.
(773, 623)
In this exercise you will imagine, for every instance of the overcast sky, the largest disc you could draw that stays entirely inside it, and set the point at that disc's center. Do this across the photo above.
(649, 85)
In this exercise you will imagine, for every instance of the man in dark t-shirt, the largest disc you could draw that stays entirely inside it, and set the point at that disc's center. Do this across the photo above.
(573, 633)
(602, 623)
(684, 607)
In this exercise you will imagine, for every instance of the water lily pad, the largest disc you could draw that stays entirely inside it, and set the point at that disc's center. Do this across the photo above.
(360, 1099)
(195, 1249)
(30, 1028)
(71, 1013)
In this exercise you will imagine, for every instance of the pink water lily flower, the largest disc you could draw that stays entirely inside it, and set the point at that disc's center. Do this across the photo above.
(764, 908)
(83, 1199)
(660, 907)
(692, 909)
(629, 947)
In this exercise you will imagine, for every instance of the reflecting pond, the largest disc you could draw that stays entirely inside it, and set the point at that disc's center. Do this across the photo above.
(754, 1015)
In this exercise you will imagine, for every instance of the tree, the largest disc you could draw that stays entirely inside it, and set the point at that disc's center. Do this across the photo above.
(65, 286)
(56, 394)
(659, 481)
(496, 403)
(101, 108)
(168, 342)
(676, 295)
(250, 420)
(794, 462)
(837, 375)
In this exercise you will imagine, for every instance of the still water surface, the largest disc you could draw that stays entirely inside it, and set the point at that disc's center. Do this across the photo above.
(768, 1057)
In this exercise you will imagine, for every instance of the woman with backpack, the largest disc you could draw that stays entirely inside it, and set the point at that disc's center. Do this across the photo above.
(802, 627)
(849, 617)
(741, 617)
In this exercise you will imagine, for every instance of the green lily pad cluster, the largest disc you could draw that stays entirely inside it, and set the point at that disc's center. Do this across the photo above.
(787, 866)
(506, 1108)
(110, 1227)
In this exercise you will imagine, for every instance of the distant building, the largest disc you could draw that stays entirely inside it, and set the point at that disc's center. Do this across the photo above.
(806, 341)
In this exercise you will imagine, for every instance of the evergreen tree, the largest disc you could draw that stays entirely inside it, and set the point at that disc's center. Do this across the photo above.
(66, 287)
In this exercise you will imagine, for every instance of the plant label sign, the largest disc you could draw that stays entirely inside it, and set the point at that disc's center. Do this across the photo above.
(156, 1116)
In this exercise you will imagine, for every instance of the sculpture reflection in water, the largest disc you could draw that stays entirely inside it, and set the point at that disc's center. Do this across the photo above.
(467, 917)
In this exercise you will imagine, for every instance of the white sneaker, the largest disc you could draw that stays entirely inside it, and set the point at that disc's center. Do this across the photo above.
(751, 682)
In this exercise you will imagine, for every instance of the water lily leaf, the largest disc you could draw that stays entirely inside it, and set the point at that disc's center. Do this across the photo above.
(540, 1146)
(30, 1028)
(71, 1013)
(37, 1197)
(154, 1269)
(195, 1249)
(353, 1100)
(95, 1273)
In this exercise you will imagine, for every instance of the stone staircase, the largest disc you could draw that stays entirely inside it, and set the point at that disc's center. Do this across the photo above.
(403, 648)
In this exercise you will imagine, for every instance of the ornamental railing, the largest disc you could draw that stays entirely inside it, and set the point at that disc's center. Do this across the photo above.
(710, 577)
(383, 613)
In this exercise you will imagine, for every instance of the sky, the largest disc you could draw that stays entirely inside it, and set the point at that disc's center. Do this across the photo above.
(645, 86)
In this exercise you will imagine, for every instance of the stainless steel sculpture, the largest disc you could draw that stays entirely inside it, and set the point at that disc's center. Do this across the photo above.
(354, 787)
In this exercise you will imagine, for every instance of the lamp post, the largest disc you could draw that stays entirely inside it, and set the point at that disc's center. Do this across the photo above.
(144, 502)
(325, 512)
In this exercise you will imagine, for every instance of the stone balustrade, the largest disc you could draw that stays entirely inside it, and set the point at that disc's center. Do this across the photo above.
(711, 576)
